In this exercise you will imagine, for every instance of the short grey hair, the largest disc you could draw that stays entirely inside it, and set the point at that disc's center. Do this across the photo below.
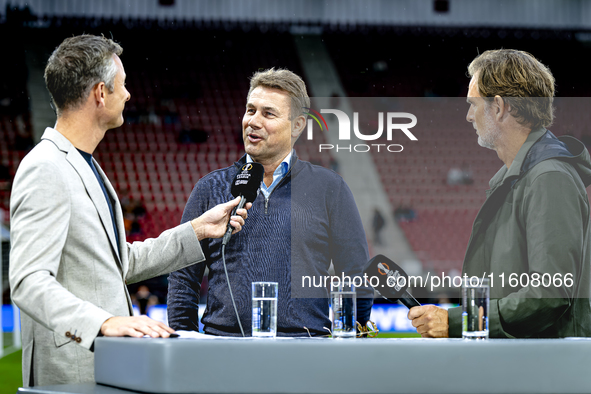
(76, 66)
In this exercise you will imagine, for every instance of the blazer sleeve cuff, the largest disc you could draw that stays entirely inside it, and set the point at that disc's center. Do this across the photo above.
(190, 243)
(85, 334)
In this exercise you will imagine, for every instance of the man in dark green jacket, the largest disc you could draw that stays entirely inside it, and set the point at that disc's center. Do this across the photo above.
(534, 224)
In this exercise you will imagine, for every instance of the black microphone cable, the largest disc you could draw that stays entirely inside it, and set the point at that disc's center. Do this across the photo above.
(230, 288)
(246, 184)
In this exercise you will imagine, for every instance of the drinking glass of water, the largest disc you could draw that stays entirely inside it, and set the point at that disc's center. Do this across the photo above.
(475, 300)
(264, 309)
(344, 311)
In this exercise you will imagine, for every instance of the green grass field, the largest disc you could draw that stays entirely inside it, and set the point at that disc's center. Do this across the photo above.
(10, 373)
(10, 368)
(399, 335)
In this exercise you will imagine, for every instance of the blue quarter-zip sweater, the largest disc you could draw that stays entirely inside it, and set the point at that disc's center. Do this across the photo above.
(308, 219)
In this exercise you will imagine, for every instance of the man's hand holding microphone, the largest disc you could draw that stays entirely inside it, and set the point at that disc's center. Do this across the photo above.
(212, 224)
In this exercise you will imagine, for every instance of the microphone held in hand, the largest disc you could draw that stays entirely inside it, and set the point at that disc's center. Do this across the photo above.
(393, 281)
(246, 185)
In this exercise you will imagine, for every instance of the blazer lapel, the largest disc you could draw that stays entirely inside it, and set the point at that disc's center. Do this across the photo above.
(96, 195)
(117, 212)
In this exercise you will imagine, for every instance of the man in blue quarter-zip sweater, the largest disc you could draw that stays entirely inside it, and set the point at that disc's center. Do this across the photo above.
(304, 218)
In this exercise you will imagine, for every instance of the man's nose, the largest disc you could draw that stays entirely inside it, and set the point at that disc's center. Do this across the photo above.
(255, 120)
(470, 115)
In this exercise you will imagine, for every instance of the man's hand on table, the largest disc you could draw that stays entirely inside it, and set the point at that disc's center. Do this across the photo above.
(430, 321)
(135, 326)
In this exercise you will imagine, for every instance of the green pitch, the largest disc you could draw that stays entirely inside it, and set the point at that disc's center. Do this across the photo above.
(399, 335)
(10, 373)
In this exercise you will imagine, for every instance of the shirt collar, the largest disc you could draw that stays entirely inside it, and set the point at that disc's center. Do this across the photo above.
(283, 167)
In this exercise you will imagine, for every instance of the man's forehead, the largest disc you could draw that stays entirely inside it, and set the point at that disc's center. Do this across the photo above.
(117, 60)
(268, 97)
(119, 64)
(473, 87)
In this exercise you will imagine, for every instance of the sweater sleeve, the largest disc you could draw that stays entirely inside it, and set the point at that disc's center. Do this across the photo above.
(184, 285)
(348, 245)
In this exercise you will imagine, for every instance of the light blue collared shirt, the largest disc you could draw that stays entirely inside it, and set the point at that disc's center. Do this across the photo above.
(279, 173)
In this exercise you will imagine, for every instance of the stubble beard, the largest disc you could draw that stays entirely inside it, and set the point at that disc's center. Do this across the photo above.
(490, 134)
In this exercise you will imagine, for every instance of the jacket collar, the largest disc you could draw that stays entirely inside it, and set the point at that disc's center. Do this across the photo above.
(509, 174)
(58, 139)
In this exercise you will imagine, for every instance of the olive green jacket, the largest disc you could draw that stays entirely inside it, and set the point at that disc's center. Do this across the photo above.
(535, 221)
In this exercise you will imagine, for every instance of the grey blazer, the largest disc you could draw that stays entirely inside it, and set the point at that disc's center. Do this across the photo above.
(67, 274)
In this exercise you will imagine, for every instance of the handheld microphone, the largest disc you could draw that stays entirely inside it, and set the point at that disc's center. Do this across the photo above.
(393, 281)
(246, 184)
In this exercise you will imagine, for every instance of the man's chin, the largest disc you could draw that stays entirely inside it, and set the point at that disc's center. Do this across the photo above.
(250, 149)
(118, 123)
(485, 144)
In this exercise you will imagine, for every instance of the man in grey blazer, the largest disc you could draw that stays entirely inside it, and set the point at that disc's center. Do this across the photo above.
(69, 261)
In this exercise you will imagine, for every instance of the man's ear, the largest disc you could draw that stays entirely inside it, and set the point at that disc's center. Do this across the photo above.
(99, 92)
(298, 126)
(501, 108)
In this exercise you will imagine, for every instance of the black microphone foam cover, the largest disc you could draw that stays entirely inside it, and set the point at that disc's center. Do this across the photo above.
(393, 281)
(248, 181)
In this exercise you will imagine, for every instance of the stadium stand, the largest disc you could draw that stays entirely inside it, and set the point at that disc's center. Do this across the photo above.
(184, 119)
(15, 126)
(410, 66)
